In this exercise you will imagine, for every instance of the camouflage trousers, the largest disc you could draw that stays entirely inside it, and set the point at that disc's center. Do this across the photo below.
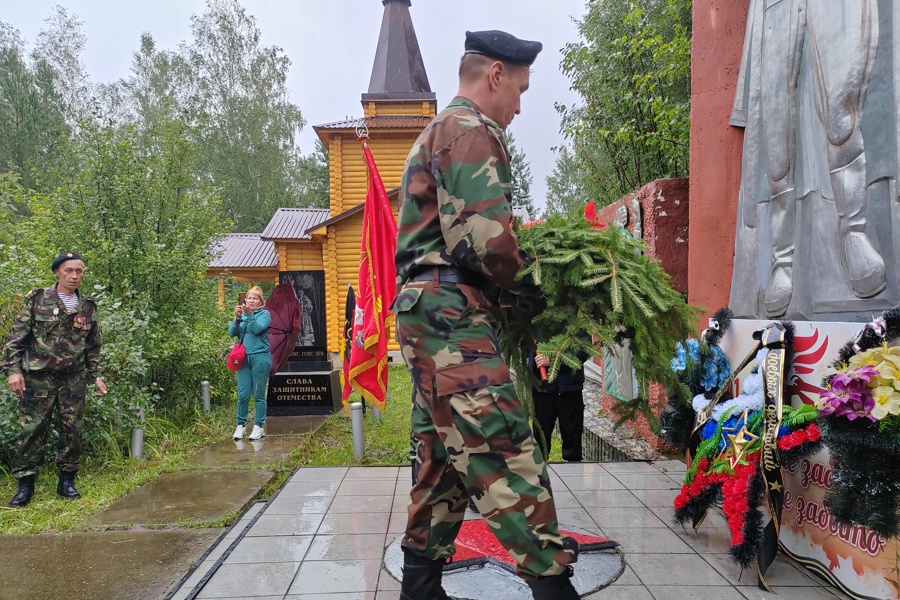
(62, 394)
(473, 439)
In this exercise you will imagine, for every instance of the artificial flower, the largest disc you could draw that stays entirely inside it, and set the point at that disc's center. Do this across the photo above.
(887, 402)
(864, 373)
(858, 406)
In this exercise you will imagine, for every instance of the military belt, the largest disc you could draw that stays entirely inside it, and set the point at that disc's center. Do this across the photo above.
(450, 274)
(56, 373)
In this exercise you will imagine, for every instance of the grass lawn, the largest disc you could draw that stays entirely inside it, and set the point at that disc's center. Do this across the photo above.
(103, 480)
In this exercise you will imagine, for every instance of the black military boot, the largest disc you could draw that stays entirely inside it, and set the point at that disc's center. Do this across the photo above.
(555, 587)
(421, 578)
(26, 491)
(66, 485)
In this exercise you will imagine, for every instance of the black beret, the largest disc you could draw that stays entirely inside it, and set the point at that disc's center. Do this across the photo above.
(502, 46)
(63, 258)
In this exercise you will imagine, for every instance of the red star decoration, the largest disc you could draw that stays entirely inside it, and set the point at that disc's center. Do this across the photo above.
(477, 544)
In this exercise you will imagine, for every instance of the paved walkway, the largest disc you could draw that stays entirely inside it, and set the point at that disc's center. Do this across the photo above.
(323, 536)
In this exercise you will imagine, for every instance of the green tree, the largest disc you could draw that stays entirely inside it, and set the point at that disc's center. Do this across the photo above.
(520, 170)
(313, 178)
(145, 223)
(151, 93)
(248, 146)
(33, 131)
(565, 191)
(631, 68)
(59, 46)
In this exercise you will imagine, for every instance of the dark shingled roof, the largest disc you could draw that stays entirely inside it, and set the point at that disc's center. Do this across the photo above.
(242, 251)
(379, 123)
(293, 223)
(398, 72)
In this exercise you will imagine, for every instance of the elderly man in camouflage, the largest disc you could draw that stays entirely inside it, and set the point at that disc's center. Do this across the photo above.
(53, 350)
(456, 250)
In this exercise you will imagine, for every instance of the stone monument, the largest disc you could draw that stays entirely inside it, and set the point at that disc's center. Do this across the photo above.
(308, 384)
(818, 224)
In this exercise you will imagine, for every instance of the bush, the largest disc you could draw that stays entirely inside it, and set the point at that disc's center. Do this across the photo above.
(145, 225)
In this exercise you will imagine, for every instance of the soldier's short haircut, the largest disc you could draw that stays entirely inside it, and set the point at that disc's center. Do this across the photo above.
(471, 66)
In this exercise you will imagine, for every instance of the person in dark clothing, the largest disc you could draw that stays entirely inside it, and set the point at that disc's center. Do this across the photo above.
(560, 400)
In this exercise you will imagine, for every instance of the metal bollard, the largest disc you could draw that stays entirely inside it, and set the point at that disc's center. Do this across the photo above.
(137, 439)
(204, 390)
(376, 412)
(356, 423)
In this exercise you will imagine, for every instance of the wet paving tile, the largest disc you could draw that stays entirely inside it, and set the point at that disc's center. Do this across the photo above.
(690, 592)
(246, 580)
(782, 571)
(322, 487)
(318, 473)
(186, 497)
(289, 505)
(361, 504)
(798, 593)
(647, 540)
(607, 499)
(577, 483)
(631, 468)
(674, 569)
(576, 517)
(302, 524)
(565, 500)
(45, 566)
(341, 596)
(621, 592)
(354, 523)
(347, 547)
(671, 467)
(625, 517)
(656, 498)
(647, 481)
(567, 469)
(270, 549)
(367, 487)
(397, 523)
(375, 472)
(244, 453)
(342, 576)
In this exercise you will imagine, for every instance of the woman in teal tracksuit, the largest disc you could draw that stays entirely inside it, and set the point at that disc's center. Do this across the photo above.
(251, 322)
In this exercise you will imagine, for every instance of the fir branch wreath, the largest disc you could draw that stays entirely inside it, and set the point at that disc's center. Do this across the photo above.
(600, 282)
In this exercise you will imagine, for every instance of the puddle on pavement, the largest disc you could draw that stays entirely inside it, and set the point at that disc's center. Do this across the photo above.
(99, 566)
(186, 497)
(244, 453)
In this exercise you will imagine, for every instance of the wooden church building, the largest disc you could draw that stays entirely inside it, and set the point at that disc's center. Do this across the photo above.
(322, 247)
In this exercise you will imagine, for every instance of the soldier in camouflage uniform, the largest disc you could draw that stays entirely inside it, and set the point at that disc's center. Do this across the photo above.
(52, 353)
(456, 250)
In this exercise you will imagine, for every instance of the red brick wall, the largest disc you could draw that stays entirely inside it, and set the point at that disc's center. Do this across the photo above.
(664, 205)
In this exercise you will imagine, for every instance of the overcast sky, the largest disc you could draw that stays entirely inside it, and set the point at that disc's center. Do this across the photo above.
(331, 44)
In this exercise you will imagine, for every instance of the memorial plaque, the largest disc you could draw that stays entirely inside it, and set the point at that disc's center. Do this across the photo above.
(304, 393)
(308, 384)
(308, 354)
(310, 288)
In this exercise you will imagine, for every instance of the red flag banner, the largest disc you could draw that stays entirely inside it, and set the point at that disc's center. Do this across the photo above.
(377, 274)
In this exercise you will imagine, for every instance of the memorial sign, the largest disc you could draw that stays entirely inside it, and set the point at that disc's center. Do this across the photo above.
(308, 384)
(855, 559)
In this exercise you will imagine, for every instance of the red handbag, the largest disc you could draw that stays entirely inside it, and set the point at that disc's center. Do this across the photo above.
(236, 357)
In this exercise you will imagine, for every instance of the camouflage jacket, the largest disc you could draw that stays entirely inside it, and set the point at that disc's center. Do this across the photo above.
(45, 338)
(455, 199)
